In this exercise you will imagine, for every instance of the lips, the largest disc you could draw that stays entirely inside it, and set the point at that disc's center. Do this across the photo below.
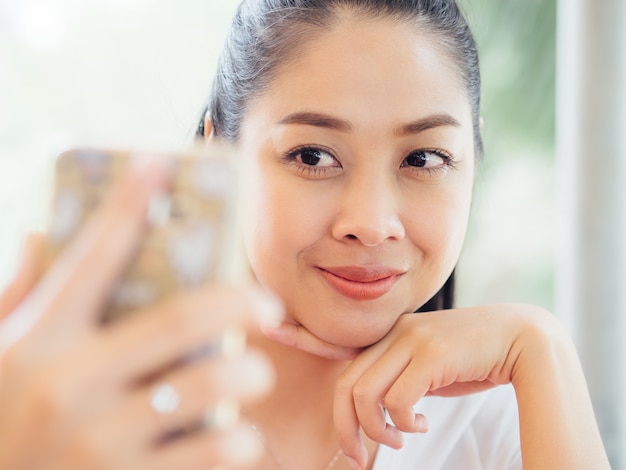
(361, 282)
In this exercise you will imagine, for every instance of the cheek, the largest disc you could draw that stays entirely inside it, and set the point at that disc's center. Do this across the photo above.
(279, 223)
(262, 226)
(437, 228)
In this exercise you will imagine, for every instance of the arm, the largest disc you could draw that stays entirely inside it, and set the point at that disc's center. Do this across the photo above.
(462, 351)
(557, 424)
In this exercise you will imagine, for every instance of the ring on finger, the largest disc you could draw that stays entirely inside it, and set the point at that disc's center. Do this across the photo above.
(164, 399)
(224, 415)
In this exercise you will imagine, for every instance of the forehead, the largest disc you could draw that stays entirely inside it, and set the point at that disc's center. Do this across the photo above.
(370, 67)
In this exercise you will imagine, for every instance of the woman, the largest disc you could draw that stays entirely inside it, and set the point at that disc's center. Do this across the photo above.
(358, 125)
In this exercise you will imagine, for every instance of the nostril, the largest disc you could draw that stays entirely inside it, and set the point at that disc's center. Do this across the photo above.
(366, 232)
(350, 236)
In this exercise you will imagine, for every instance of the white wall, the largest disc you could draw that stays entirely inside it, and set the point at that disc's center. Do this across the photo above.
(110, 72)
(591, 169)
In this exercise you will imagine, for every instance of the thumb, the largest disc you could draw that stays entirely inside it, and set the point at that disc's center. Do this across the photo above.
(27, 274)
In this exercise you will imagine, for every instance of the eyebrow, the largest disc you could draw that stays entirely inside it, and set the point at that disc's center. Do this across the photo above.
(329, 122)
(429, 122)
(317, 120)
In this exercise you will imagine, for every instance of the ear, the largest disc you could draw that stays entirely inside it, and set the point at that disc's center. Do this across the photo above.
(208, 125)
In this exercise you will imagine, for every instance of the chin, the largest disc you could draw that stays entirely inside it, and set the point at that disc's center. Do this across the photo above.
(350, 336)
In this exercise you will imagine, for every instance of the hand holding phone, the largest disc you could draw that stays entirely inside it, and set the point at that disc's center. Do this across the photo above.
(88, 396)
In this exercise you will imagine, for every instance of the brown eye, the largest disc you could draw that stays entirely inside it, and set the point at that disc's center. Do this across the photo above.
(312, 162)
(311, 156)
(425, 159)
(418, 159)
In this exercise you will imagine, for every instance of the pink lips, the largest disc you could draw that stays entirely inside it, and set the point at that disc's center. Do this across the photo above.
(361, 282)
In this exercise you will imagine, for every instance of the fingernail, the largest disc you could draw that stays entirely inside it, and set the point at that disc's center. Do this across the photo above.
(159, 209)
(269, 308)
(224, 415)
(421, 423)
(233, 342)
(354, 465)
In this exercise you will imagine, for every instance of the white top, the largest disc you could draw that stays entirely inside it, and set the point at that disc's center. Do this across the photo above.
(474, 432)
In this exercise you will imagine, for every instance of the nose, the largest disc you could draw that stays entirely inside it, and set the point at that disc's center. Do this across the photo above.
(368, 212)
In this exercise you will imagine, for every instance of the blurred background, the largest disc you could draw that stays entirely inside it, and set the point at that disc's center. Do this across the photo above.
(137, 72)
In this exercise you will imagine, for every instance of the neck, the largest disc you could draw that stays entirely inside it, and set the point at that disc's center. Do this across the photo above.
(295, 422)
(304, 385)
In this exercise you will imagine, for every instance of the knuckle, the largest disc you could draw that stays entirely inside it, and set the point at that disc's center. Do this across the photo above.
(418, 333)
(51, 399)
(427, 343)
(374, 432)
(55, 396)
(402, 416)
(395, 405)
(362, 393)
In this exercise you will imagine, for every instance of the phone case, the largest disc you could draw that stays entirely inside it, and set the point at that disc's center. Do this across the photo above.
(193, 236)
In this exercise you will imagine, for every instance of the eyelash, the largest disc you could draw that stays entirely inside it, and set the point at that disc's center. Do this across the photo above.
(313, 171)
(449, 162)
(309, 171)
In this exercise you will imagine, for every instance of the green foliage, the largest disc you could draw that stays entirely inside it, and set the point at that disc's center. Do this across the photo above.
(517, 44)
(509, 252)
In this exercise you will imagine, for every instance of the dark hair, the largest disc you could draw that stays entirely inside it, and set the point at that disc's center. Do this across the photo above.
(262, 38)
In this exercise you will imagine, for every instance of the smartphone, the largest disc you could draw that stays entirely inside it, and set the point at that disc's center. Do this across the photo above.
(193, 235)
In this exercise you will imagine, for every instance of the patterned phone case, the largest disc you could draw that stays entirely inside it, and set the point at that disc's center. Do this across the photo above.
(193, 236)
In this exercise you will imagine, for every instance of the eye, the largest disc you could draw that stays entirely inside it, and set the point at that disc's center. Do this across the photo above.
(312, 162)
(425, 159)
(313, 157)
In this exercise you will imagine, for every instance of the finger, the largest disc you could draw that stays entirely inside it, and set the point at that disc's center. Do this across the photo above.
(393, 383)
(372, 416)
(346, 420)
(176, 328)
(365, 383)
(26, 275)
(237, 448)
(347, 428)
(97, 446)
(143, 345)
(79, 282)
(297, 336)
(200, 387)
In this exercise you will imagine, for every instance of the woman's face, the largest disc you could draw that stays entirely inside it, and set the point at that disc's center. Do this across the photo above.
(360, 161)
